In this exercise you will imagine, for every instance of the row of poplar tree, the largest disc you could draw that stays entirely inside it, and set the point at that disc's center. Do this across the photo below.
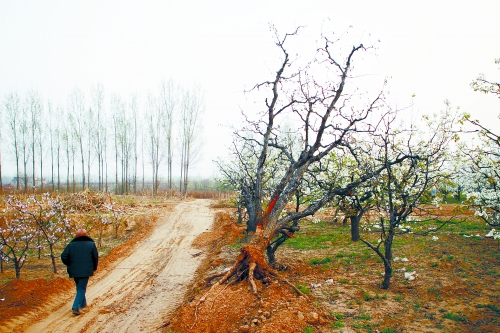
(126, 144)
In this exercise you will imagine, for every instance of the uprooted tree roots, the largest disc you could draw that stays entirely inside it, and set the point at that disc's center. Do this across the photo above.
(250, 265)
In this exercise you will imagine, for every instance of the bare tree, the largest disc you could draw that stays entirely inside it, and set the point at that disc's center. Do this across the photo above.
(399, 190)
(90, 130)
(13, 116)
(97, 93)
(314, 98)
(33, 108)
(156, 134)
(135, 119)
(117, 110)
(78, 122)
(192, 109)
(24, 143)
(169, 100)
(53, 138)
(58, 133)
(68, 148)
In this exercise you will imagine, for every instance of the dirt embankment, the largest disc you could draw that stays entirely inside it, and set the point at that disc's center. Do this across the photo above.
(137, 292)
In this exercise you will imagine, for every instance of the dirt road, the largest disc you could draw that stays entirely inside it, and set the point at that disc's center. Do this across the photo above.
(137, 293)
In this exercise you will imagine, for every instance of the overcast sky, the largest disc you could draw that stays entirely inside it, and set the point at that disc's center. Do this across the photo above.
(432, 49)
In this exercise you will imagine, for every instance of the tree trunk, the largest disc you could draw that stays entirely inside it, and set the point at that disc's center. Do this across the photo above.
(17, 268)
(355, 226)
(388, 260)
(53, 258)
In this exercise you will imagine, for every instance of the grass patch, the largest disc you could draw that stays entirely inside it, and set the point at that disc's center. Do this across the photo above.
(363, 316)
(388, 330)
(455, 317)
(338, 316)
(318, 261)
(338, 324)
(303, 289)
(367, 327)
(492, 307)
(399, 298)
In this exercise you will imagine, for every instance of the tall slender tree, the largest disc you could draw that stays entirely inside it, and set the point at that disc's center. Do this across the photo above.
(154, 120)
(169, 100)
(78, 118)
(97, 94)
(34, 109)
(192, 109)
(13, 115)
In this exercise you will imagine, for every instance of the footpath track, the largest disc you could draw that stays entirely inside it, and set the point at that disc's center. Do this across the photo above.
(136, 293)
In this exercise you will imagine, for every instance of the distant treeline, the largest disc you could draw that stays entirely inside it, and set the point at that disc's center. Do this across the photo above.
(121, 141)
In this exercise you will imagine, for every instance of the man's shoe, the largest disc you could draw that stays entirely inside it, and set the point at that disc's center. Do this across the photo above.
(76, 312)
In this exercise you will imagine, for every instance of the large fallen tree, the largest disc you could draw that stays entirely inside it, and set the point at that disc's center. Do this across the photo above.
(324, 116)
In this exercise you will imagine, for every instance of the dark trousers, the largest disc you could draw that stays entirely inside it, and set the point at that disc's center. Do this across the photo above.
(81, 287)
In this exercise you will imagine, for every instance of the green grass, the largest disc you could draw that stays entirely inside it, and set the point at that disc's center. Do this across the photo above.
(417, 306)
(308, 329)
(367, 327)
(492, 307)
(317, 237)
(388, 330)
(318, 261)
(455, 317)
(363, 316)
(303, 289)
(338, 324)
(309, 243)
(337, 316)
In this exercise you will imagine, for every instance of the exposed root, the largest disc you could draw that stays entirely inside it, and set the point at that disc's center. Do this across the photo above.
(211, 277)
(250, 277)
(293, 287)
(251, 265)
(220, 292)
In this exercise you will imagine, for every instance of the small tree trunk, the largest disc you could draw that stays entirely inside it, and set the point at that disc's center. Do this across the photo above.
(388, 260)
(355, 227)
(39, 250)
(52, 257)
(17, 267)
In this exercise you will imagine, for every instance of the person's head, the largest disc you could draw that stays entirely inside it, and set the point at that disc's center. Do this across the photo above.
(81, 232)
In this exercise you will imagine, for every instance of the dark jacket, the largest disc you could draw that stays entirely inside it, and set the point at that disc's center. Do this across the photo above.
(80, 257)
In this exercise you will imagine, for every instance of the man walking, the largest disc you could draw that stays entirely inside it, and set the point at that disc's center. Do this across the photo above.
(81, 259)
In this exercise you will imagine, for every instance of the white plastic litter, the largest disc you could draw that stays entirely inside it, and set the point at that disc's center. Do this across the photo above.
(410, 276)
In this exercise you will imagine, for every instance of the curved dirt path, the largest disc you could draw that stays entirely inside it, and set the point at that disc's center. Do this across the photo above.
(139, 291)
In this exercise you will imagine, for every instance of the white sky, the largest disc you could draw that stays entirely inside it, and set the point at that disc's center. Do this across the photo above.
(433, 49)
